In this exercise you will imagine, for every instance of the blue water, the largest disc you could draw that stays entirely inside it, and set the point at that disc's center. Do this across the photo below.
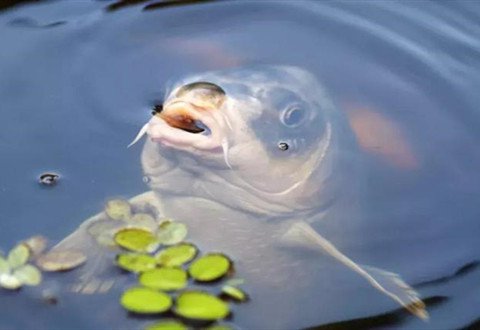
(77, 82)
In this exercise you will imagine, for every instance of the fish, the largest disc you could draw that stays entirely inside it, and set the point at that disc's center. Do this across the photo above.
(253, 159)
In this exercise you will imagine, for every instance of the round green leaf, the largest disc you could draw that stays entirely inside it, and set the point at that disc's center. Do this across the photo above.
(165, 279)
(144, 220)
(145, 301)
(170, 232)
(118, 209)
(199, 305)
(136, 239)
(28, 275)
(167, 325)
(4, 266)
(8, 281)
(18, 256)
(134, 262)
(176, 255)
(61, 260)
(210, 267)
(234, 293)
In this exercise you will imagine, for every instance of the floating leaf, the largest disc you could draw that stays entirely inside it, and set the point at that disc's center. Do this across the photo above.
(136, 239)
(61, 260)
(104, 230)
(145, 301)
(166, 279)
(170, 232)
(210, 267)
(136, 263)
(18, 256)
(8, 281)
(144, 220)
(4, 266)
(234, 293)
(37, 244)
(28, 275)
(201, 305)
(220, 327)
(167, 325)
(118, 209)
(176, 255)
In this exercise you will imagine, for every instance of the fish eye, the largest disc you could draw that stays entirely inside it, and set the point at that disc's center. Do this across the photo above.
(283, 146)
(293, 116)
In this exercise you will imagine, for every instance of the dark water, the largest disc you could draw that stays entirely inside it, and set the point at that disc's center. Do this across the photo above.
(77, 82)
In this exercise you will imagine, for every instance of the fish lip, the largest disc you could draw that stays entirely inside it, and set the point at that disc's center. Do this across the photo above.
(160, 130)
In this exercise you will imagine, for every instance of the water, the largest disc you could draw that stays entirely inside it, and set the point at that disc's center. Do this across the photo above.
(77, 82)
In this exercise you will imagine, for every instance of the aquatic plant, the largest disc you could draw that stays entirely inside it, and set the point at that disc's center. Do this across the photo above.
(15, 270)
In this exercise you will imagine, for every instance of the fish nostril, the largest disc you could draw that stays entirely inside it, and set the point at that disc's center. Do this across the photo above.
(157, 108)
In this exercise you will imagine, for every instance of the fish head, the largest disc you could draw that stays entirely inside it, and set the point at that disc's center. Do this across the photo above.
(253, 139)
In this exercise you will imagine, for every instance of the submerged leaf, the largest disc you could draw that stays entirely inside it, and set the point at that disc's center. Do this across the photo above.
(199, 305)
(18, 256)
(136, 263)
(136, 239)
(170, 232)
(28, 275)
(210, 267)
(167, 325)
(37, 244)
(118, 209)
(176, 255)
(4, 266)
(8, 281)
(166, 279)
(145, 301)
(62, 260)
(234, 293)
(104, 230)
(144, 220)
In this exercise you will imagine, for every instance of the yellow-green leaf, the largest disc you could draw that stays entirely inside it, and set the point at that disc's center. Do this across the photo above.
(167, 325)
(136, 239)
(4, 266)
(145, 301)
(234, 293)
(18, 256)
(166, 279)
(176, 255)
(136, 263)
(199, 305)
(210, 267)
(28, 275)
(8, 281)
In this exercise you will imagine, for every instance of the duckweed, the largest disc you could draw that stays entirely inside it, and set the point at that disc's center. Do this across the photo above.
(176, 255)
(166, 279)
(170, 232)
(167, 325)
(199, 305)
(145, 301)
(136, 239)
(135, 262)
(210, 267)
(118, 209)
(234, 293)
(14, 270)
(61, 260)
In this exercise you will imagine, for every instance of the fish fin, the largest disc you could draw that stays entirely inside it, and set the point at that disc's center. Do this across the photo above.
(382, 137)
(387, 282)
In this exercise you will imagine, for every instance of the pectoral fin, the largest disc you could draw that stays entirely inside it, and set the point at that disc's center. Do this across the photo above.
(389, 283)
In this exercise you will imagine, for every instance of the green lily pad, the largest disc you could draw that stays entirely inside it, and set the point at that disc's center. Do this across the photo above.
(166, 279)
(118, 209)
(4, 266)
(234, 293)
(145, 301)
(8, 281)
(210, 267)
(61, 260)
(136, 263)
(167, 325)
(176, 255)
(144, 220)
(18, 256)
(28, 275)
(170, 232)
(136, 239)
(199, 305)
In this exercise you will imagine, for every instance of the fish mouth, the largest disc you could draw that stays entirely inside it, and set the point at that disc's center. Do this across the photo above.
(184, 124)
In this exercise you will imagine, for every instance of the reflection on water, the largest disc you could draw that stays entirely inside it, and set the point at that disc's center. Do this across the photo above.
(77, 81)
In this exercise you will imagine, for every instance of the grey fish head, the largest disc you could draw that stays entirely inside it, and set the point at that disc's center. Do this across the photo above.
(255, 139)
